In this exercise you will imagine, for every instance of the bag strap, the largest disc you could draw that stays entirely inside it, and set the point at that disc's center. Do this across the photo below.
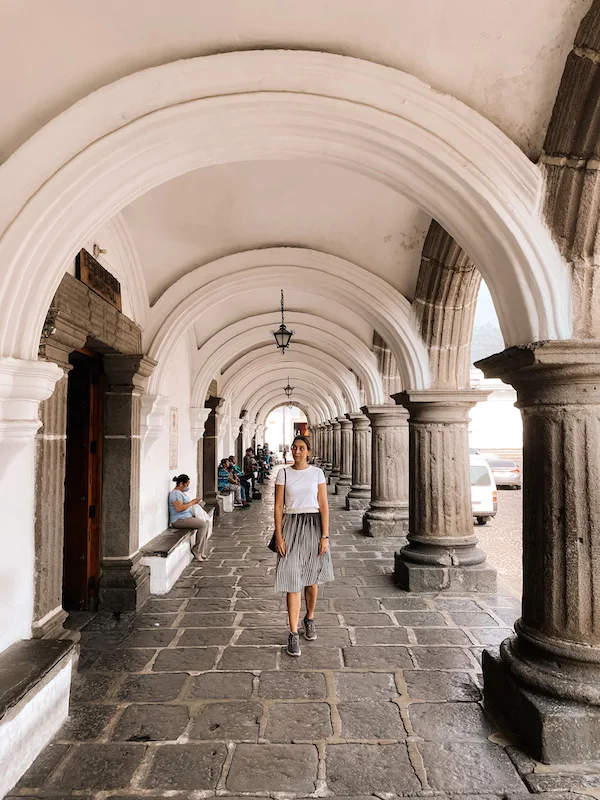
(284, 484)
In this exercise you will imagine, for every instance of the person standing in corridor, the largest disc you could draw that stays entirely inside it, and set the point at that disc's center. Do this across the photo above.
(302, 539)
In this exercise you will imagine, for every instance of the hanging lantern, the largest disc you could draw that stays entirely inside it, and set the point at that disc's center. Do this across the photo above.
(288, 389)
(282, 335)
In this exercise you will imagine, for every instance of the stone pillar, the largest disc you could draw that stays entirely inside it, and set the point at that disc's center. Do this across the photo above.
(359, 495)
(387, 514)
(343, 485)
(319, 444)
(50, 462)
(546, 681)
(336, 447)
(328, 449)
(23, 386)
(210, 451)
(125, 583)
(441, 553)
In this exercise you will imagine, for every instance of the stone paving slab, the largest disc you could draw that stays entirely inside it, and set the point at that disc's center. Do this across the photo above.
(195, 697)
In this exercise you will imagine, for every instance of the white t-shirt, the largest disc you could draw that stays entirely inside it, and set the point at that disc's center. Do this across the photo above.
(301, 488)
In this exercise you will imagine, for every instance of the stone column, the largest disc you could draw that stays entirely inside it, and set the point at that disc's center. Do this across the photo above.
(210, 451)
(343, 485)
(441, 553)
(319, 444)
(328, 448)
(359, 495)
(50, 460)
(23, 386)
(125, 583)
(387, 514)
(546, 682)
(336, 447)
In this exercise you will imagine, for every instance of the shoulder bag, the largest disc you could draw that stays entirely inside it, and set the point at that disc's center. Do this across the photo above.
(272, 544)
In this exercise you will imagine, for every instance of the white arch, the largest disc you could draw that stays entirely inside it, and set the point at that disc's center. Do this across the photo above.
(132, 135)
(328, 406)
(319, 412)
(310, 417)
(318, 332)
(275, 268)
(308, 379)
(265, 361)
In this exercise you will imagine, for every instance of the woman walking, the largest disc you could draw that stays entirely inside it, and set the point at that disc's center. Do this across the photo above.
(302, 539)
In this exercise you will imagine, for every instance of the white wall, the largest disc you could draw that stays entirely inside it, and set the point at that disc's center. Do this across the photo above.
(17, 484)
(156, 477)
(496, 424)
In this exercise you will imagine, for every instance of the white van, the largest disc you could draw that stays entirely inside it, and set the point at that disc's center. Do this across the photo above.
(484, 497)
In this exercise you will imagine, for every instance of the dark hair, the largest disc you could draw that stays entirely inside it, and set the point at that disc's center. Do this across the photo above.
(181, 478)
(223, 462)
(300, 438)
(231, 458)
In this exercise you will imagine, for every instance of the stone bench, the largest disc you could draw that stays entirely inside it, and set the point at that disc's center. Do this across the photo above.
(35, 679)
(225, 502)
(169, 553)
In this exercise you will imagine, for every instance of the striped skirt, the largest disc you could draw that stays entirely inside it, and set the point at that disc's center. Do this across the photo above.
(302, 565)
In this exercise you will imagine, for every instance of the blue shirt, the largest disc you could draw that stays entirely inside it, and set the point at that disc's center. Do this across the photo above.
(223, 478)
(173, 514)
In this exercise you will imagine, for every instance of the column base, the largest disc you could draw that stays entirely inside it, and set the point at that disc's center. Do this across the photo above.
(550, 730)
(343, 486)
(429, 578)
(334, 476)
(124, 585)
(379, 524)
(357, 503)
(50, 626)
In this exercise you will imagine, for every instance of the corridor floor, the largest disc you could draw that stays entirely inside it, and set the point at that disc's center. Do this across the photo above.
(195, 696)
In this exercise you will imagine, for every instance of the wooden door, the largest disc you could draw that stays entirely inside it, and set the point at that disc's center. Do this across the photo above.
(83, 483)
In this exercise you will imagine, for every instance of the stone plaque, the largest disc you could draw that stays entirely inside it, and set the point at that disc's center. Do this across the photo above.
(98, 279)
(173, 438)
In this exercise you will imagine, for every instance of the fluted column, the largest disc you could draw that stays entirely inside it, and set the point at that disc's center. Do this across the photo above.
(556, 650)
(441, 553)
(329, 447)
(345, 480)
(359, 495)
(317, 444)
(387, 514)
(336, 448)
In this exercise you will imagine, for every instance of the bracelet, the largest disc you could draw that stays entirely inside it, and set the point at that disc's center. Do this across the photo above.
(324, 537)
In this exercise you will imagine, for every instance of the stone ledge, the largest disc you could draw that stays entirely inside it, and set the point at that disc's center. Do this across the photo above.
(35, 678)
(551, 731)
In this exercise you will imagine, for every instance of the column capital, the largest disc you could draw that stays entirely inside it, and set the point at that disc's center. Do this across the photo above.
(213, 403)
(153, 418)
(566, 367)
(442, 406)
(23, 385)
(127, 372)
(344, 422)
(334, 423)
(198, 417)
(389, 416)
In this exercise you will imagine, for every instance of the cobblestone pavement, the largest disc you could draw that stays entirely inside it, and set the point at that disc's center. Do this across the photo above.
(195, 697)
(501, 539)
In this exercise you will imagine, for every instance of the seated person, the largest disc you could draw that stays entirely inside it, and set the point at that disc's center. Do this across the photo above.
(182, 517)
(235, 470)
(249, 467)
(228, 483)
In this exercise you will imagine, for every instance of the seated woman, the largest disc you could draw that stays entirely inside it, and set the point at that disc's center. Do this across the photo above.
(181, 516)
(229, 483)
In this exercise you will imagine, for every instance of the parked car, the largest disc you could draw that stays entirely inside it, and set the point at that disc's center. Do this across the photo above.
(505, 472)
(484, 497)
